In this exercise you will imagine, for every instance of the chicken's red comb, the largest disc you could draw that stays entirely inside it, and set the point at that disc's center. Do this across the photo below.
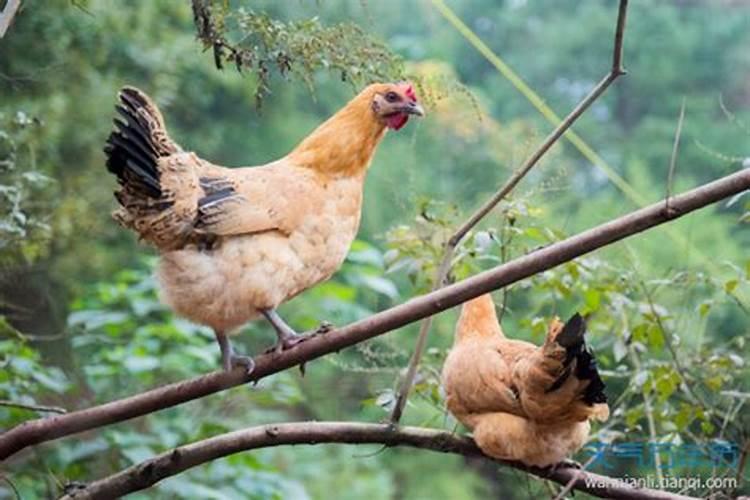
(410, 93)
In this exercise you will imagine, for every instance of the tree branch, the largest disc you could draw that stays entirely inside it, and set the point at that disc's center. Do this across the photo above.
(149, 472)
(46, 429)
(7, 15)
(453, 242)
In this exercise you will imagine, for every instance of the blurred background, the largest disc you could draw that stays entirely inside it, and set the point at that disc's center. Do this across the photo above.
(81, 324)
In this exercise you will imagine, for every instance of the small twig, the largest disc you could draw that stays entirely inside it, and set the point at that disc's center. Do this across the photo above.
(30, 407)
(47, 429)
(504, 244)
(673, 158)
(676, 361)
(741, 464)
(12, 486)
(453, 242)
(7, 15)
(649, 411)
(147, 473)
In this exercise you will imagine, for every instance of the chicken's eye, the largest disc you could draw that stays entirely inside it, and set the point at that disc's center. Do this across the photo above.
(392, 97)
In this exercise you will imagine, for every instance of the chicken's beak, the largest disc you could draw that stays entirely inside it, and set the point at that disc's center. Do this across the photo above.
(413, 109)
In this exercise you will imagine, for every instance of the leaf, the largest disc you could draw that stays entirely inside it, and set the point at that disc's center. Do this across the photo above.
(737, 360)
(534, 233)
(707, 427)
(593, 299)
(714, 383)
(730, 286)
(380, 285)
(362, 253)
(138, 364)
(137, 454)
(333, 289)
(92, 320)
(704, 308)
(54, 380)
(482, 241)
(734, 199)
(655, 337)
(386, 399)
(640, 378)
(619, 349)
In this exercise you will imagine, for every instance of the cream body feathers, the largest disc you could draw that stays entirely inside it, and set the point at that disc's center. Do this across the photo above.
(234, 241)
(226, 287)
(504, 391)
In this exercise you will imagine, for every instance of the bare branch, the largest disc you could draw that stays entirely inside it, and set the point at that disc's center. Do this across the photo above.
(150, 472)
(24, 406)
(453, 242)
(47, 429)
(7, 15)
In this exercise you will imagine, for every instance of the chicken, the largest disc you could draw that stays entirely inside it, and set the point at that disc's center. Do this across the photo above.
(235, 243)
(522, 402)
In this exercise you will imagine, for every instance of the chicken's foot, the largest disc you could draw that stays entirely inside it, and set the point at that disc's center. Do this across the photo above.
(229, 359)
(565, 463)
(288, 338)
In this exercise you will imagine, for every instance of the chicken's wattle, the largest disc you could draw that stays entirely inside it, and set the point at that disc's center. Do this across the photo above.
(397, 120)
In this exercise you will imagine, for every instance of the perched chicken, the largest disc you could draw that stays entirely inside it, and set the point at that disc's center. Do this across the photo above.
(237, 242)
(522, 402)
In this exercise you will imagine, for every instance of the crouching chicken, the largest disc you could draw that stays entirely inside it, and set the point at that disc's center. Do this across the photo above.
(235, 243)
(522, 402)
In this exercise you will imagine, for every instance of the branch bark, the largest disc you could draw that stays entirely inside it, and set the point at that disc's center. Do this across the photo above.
(150, 472)
(54, 427)
(7, 15)
(450, 247)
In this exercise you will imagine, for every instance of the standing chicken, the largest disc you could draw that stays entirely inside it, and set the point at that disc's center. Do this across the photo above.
(235, 243)
(522, 402)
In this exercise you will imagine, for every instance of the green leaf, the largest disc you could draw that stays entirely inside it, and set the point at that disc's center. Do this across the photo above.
(380, 285)
(619, 350)
(593, 299)
(704, 308)
(730, 286)
(138, 364)
(714, 383)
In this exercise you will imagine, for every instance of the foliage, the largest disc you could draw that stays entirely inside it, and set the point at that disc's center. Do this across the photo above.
(667, 323)
(23, 191)
(298, 48)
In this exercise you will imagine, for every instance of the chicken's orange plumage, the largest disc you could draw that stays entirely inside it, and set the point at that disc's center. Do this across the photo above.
(237, 242)
(522, 402)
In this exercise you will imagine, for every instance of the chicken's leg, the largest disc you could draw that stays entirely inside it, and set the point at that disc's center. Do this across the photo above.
(287, 336)
(228, 357)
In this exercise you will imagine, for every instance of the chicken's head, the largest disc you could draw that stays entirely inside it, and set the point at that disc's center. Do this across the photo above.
(394, 102)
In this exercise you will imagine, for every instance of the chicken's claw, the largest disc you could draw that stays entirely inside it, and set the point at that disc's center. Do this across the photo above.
(245, 362)
(565, 464)
(323, 327)
(287, 342)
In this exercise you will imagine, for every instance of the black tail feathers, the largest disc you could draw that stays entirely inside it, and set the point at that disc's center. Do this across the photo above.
(572, 339)
(133, 148)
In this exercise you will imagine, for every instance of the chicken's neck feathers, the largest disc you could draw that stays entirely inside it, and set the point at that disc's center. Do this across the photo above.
(343, 145)
(478, 321)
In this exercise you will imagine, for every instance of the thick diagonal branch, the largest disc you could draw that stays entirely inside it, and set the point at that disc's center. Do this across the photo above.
(53, 427)
(150, 472)
(450, 247)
